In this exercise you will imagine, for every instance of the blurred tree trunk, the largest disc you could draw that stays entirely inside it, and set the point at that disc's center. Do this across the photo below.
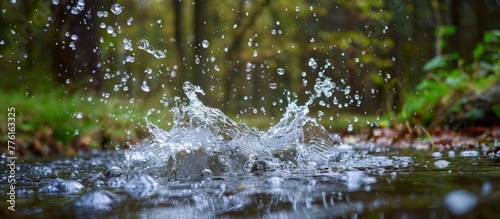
(181, 44)
(456, 39)
(243, 26)
(200, 71)
(76, 60)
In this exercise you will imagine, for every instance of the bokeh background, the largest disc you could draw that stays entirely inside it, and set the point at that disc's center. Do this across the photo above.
(86, 72)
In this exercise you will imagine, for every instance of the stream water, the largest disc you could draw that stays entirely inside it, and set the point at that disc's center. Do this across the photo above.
(209, 166)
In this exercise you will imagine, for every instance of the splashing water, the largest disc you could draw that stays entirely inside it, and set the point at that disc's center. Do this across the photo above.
(144, 45)
(204, 138)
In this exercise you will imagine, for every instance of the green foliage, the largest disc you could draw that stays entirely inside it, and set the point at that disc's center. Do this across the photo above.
(71, 116)
(450, 79)
(496, 109)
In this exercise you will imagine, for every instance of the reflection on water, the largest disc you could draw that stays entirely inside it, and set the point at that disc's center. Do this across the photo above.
(82, 187)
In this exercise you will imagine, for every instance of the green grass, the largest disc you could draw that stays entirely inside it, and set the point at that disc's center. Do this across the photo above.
(70, 116)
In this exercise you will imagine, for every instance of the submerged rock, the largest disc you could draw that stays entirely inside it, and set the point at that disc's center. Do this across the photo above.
(60, 186)
(189, 164)
(260, 167)
(141, 186)
(98, 200)
(114, 171)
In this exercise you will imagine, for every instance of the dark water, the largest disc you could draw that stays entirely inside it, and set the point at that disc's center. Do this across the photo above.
(414, 187)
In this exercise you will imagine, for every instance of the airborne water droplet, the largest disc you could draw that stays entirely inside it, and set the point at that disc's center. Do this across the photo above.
(143, 44)
(205, 43)
(110, 29)
(145, 87)
(273, 86)
(347, 90)
(159, 54)
(280, 71)
(116, 9)
(312, 63)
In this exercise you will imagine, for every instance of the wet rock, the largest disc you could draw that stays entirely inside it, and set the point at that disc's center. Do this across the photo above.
(115, 182)
(189, 164)
(476, 109)
(141, 186)
(260, 167)
(62, 187)
(206, 173)
(98, 200)
(286, 154)
(113, 172)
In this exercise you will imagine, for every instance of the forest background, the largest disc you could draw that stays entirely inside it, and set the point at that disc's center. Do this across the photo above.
(85, 73)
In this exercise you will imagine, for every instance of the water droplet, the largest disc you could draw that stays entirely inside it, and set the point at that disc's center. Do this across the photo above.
(280, 71)
(55, 2)
(159, 54)
(205, 43)
(273, 86)
(109, 30)
(79, 115)
(132, 100)
(143, 44)
(347, 90)
(80, 5)
(297, 8)
(116, 9)
(74, 37)
(312, 63)
(74, 10)
(145, 87)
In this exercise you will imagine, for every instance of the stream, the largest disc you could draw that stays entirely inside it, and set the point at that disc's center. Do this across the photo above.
(209, 166)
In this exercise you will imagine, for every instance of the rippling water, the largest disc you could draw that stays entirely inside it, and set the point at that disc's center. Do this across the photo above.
(209, 166)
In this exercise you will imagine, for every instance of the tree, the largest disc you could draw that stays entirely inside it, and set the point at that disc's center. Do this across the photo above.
(76, 45)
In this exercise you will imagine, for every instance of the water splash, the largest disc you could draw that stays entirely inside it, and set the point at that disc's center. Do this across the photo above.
(204, 138)
(144, 45)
